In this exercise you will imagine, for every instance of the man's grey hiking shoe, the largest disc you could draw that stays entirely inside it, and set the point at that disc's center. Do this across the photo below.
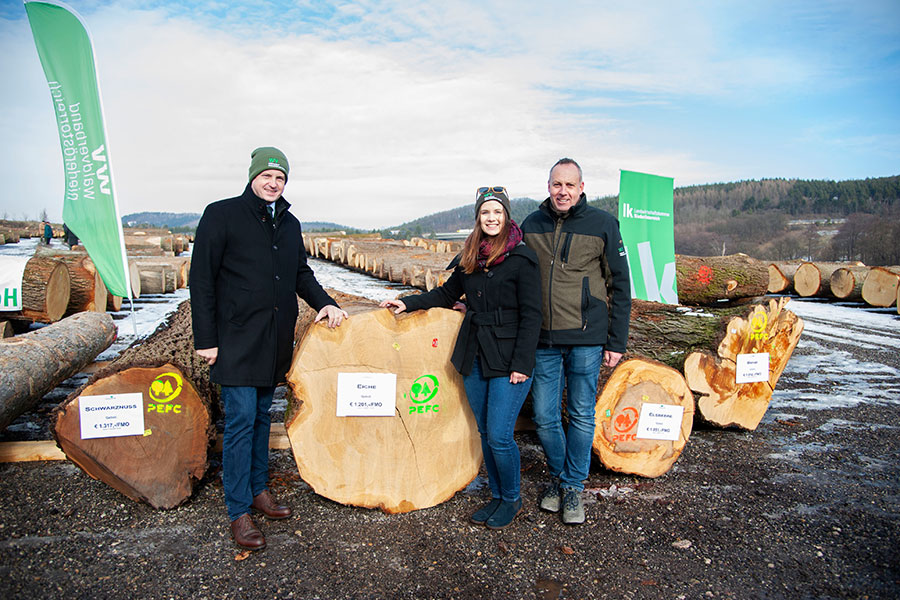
(572, 507)
(550, 498)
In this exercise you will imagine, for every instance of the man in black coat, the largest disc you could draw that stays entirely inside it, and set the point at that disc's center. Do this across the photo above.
(247, 268)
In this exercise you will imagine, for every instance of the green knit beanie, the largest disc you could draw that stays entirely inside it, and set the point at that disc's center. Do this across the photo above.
(265, 158)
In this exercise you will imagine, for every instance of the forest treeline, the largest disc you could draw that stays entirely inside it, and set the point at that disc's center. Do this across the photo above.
(769, 219)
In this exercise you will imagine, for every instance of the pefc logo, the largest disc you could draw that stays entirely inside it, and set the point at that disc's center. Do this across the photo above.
(165, 388)
(758, 326)
(422, 391)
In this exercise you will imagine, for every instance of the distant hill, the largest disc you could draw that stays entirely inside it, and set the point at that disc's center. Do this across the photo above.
(458, 218)
(190, 220)
(161, 219)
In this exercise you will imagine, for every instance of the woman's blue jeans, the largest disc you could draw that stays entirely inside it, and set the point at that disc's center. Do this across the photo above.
(576, 368)
(245, 446)
(496, 404)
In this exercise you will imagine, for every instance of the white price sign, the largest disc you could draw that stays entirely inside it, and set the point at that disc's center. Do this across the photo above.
(752, 368)
(660, 421)
(111, 416)
(366, 394)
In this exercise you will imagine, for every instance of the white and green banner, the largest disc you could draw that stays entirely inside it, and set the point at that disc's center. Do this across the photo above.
(12, 269)
(89, 209)
(646, 208)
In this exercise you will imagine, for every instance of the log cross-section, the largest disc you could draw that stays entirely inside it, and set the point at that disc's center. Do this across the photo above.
(725, 402)
(162, 466)
(429, 450)
(618, 439)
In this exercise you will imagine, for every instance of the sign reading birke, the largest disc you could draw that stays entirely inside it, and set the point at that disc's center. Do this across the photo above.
(89, 208)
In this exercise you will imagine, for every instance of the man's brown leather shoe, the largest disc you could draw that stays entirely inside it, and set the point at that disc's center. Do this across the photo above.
(246, 534)
(265, 503)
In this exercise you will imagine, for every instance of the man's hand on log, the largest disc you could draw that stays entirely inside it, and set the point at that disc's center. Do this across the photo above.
(334, 314)
(209, 354)
(516, 377)
(398, 305)
(610, 358)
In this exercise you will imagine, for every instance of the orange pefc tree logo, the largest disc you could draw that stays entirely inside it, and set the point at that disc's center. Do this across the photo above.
(165, 388)
(421, 393)
(624, 423)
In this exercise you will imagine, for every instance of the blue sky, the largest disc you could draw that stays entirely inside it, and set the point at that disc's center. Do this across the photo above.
(392, 110)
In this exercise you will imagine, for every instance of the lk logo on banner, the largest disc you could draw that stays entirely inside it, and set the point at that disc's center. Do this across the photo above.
(646, 220)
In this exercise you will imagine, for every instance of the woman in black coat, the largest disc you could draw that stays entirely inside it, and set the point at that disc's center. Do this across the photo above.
(495, 347)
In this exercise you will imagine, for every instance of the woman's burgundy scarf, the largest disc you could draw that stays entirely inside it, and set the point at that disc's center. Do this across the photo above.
(484, 250)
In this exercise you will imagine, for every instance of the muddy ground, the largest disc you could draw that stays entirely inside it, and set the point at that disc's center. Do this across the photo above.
(806, 506)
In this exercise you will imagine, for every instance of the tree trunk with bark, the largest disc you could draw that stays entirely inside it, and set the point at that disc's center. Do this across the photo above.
(880, 287)
(723, 401)
(46, 289)
(847, 282)
(34, 363)
(162, 466)
(708, 280)
(629, 426)
(421, 455)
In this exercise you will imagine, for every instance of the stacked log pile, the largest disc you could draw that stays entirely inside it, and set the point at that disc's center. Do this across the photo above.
(390, 260)
(88, 292)
(842, 281)
(154, 242)
(160, 274)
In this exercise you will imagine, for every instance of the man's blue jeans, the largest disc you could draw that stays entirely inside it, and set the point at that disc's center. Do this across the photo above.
(496, 404)
(576, 368)
(245, 447)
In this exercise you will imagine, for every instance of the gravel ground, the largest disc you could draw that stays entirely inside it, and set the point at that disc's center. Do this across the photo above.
(806, 506)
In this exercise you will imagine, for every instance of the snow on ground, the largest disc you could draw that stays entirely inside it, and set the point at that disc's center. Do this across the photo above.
(848, 350)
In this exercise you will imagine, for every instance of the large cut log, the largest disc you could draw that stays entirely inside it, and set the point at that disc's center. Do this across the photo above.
(162, 466)
(725, 402)
(880, 287)
(34, 363)
(624, 440)
(46, 288)
(846, 282)
(708, 280)
(88, 292)
(781, 277)
(421, 455)
(814, 278)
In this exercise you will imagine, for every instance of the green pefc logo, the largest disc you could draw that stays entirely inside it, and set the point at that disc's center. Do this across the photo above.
(421, 392)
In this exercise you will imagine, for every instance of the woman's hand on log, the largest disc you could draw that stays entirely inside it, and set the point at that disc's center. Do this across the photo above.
(334, 315)
(209, 355)
(398, 305)
(460, 306)
(610, 358)
(516, 377)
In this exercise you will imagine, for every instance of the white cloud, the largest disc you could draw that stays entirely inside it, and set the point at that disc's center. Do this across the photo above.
(392, 110)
